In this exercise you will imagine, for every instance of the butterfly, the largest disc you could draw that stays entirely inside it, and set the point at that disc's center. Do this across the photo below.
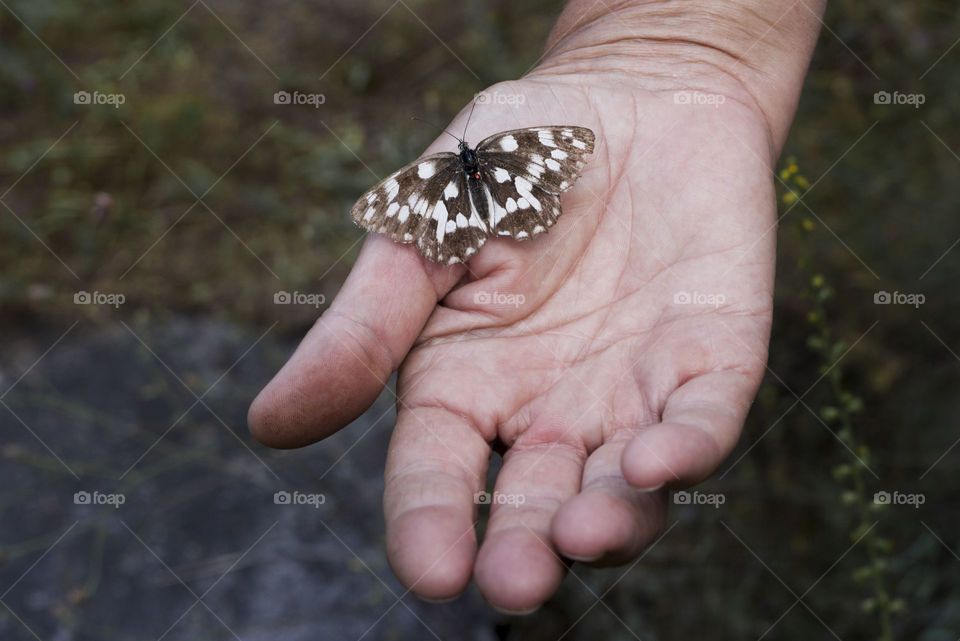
(449, 204)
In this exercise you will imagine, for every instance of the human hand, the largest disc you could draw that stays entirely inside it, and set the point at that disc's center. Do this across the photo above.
(622, 357)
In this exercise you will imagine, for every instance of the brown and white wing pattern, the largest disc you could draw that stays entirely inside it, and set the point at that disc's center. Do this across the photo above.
(449, 204)
(526, 170)
(425, 203)
(399, 205)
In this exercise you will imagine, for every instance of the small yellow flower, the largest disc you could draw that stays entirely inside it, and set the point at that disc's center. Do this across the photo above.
(817, 281)
(789, 198)
(807, 224)
(802, 182)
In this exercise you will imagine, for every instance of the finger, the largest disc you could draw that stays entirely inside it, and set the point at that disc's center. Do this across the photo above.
(437, 462)
(517, 567)
(700, 426)
(609, 521)
(345, 359)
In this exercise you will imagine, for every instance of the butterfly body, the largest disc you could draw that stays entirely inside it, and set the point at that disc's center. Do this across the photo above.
(449, 204)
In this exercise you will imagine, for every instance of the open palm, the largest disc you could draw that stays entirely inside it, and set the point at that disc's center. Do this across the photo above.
(607, 360)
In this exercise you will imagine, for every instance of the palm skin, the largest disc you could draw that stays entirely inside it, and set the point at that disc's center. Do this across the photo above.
(597, 384)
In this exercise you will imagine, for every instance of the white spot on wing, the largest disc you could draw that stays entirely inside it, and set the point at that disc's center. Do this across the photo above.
(522, 234)
(392, 209)
(404, 213)
(511, 205)
(579, 144)
(523, 188)
(426, 169)
(408, 237)
(509, 143)
(451, 190)
(559, 154)
(369, 213)
(440, 215)
(501, 175)
(393, 188)
(462, 220)
(546, 138)
(552, 164)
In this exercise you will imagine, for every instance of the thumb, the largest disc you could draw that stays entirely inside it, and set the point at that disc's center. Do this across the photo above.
(345, 359)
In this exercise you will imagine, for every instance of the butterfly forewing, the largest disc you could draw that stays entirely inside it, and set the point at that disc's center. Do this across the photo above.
(401, 204)
(549, 157)
(526, 171)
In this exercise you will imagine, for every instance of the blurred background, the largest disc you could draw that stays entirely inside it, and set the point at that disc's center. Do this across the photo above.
(169, 229)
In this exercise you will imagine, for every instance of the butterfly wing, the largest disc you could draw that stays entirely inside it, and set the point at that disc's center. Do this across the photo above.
(398, 205)
(425, 203)
(526, 170)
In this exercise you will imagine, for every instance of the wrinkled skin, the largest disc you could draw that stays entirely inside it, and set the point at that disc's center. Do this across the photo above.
(599, 388)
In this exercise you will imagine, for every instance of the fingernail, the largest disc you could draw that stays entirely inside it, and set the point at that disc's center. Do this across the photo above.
(583, 559)
(438, 601)
(515, 613)
(651, 489)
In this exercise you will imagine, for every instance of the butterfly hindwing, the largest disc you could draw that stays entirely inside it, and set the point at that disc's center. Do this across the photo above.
(455, 230)
(518, 208)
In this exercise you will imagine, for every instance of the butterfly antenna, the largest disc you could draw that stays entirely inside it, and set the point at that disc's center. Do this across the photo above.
(437, 126)
(470, 116)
